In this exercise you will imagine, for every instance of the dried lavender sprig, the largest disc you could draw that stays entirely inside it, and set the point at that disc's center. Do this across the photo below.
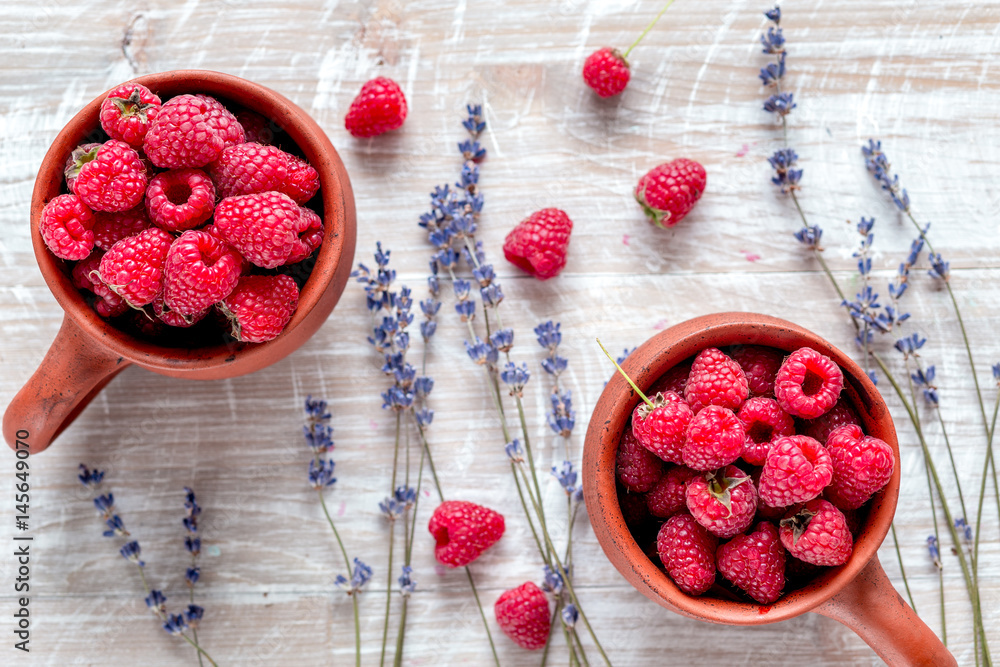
(192, 544)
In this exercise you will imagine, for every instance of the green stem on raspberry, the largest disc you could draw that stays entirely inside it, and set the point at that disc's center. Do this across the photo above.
(625, 375)
(648, 28)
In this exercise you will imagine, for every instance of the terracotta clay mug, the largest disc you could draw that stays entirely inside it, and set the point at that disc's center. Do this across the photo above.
(88, 351)
(857, 594)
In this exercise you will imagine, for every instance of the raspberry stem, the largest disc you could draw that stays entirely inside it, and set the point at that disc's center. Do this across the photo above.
(648, 28)
(625, 375)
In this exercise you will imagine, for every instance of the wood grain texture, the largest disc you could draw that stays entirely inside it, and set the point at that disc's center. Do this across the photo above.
(922, 77)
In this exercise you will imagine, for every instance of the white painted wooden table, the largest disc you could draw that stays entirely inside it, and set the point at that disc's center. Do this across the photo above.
(921, 77)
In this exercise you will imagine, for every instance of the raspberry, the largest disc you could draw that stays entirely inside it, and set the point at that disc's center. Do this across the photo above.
(662, 429)
(808, 383)
(606, 71)
(76, 159)
(523, 615)
(85, 276)
(200, 270)
(817, 534)
(714, 439)
(760, 365)
(715, 379)
(764, 422)
(862, 465)
(724, 503)
(264, 227)
(256, 128)
(111, 177)
(110, 228)
(180, 199)
(184, 134)
(133, 267)
(67, 227)
(538, 243)
(638, 469)
(797, 469)
(302, 181)
(673, 380)
(755, 562)
(128, 111)
(839, 415)
(687, 551)
(669, 496)
(175, 319)
(260, 307)
(668, 192)
(249, 168)
(378, 108)
(223, 121)
(463, 531)
(310, 236)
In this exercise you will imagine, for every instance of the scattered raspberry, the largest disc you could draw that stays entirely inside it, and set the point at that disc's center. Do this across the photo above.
(714, 439)
(673, 380)
(755, 562)
(110, 177)
(523, 615)
(668, 192)
(862, 465)
(112, 227)
(200, 270)
(797, 469)
(764, 422)
(606, 71)
(687, 551)
(817, 534)
(80, 155)
(223, 121)
(715, 379)
(67, 227)
(662, 429)
(85, 276)
(538, 243)
(839, 415)
(249, 168)
(260, 307)
(638, 469)
(256, 128)
(128, 111)
(180, 199)
(760, 365)
(175, 319)
(302, 181)
(808, 383)
(669, 496)
(724, 501)
(133, 267)
(185, 133)
(310, 236)
(378, 108)
(463, 531)
(264, 227)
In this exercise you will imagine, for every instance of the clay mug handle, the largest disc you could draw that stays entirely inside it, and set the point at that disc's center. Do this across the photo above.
(74, 370)
(871, 607)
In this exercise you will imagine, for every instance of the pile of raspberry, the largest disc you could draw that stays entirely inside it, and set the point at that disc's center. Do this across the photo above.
(186, 213)
(749, 465)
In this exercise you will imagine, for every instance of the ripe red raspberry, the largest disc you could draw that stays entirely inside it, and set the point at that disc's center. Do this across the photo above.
(764, 422)
(715, 379)
(755, 562)
(669, 496)
(462, 531)
(808, 383)
(264, 227)
(662, 429)
(538, 243)
(378, 108)
(67, 227)
(687, 551)
(256, 128)
(110, 177)
(200, 270)
(175, 319)
(223, 121)
(133, 267)
(80, 155)
(606, 71)
(260, 307)
(673, 380)
(310, 236)
(86, 276)
(723, 501)
(668, 192)
(862, 465)
(817, 534)
(523, 615)
(714, 439)
(638, 469)
(110, 228)
(760, 365)
(180, 199)
(839, 415)
(302, 181)
(128, 111)
(249, 168)
(184, 134)
(797, 469)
